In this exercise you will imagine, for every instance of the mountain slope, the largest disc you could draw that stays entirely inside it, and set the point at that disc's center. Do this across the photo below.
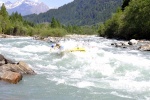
(79, 12)
(26, 7)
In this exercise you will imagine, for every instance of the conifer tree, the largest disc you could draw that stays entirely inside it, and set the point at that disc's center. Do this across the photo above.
(53, 23)
(4, 20)
(3, 11)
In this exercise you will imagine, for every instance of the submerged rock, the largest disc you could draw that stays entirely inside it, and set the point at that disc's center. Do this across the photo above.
(120, 44)
(145, 47)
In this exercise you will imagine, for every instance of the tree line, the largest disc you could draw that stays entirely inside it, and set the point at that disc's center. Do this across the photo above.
(14, 24)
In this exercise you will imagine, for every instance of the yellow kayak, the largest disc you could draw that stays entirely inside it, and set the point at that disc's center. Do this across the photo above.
(78, 49)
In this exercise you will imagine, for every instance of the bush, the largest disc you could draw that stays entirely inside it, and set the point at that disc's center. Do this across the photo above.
(54, 32)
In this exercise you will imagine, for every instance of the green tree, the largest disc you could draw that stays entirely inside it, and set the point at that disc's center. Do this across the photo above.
(4, 19)
(3, 11)
(111, 28)
(16, 17)
(137, 20)
(54, 23)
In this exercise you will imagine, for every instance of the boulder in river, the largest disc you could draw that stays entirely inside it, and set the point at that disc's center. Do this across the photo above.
(132, 42)
(12, 72)
(145, 47)
(11, 77)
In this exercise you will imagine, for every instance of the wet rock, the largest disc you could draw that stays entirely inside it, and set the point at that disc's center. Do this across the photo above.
(1, 57)
(145, 47)
(113, 43)
(3, 60)
(11, 77)
(2, 36)
(52, 39)
(132, 42)
(21, 67)
(38, 38)
(6, 36)
(12, 72)
(25, 68)
(125, 43)
(120, 44)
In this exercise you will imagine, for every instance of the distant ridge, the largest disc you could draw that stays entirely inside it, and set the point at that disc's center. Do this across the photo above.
(79, 12)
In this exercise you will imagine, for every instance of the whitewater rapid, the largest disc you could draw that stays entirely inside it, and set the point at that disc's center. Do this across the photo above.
(103, 72)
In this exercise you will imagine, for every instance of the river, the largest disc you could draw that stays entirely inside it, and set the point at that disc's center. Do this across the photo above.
(103, 72)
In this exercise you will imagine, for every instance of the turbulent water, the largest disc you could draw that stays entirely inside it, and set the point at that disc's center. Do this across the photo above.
(103, 72)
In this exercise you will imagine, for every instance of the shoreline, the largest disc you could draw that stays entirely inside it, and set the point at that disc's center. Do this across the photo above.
(142, 45)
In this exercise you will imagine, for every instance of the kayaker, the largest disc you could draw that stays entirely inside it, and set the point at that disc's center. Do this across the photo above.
(59, 46)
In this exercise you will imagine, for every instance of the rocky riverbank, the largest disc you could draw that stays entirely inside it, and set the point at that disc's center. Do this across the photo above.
(142, 45)
(7, 36)
(13, 72)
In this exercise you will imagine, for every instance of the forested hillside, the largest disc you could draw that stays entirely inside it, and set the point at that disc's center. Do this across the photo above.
(14, 24)
(132, 21)
(79, 12)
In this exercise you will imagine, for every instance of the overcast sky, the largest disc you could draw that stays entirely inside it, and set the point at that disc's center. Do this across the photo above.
(50, 3)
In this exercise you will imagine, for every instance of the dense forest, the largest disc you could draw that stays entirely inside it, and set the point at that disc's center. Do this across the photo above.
(79, 12)
(14, 24)
(130, 21)
(59, 22)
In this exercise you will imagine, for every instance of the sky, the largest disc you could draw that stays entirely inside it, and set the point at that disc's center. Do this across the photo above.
(50, 3)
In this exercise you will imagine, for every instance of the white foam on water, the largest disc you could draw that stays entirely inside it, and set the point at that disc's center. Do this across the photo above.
(53, 67)
(84, 84)
(104, 69)
(59, 81)
(36, 48)
(121, 95)
(68, 44)
(130, 59)
(146, 98)
(132, 75)
(135, 51)
(77, 74)
(130, 85)
(45, 69)
(80, 55)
